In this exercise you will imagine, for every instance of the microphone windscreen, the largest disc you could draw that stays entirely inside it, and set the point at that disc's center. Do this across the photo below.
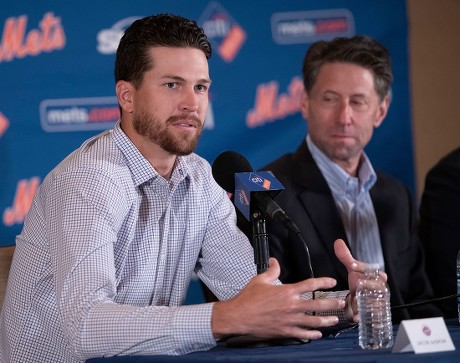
(226, 165)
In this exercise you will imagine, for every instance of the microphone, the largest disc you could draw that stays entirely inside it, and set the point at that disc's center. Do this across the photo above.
(229, 166)
(231, 170)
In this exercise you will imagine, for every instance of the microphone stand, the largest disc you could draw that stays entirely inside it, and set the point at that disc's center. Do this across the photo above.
(260, 241)
(261, 254)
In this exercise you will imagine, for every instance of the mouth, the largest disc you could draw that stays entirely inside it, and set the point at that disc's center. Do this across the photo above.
(186, 123)
(185, 126)
(341, 136)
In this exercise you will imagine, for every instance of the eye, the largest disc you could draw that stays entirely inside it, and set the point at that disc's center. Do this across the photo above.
(171, 85)
(329, 98)
(201, 88)
(359, 102)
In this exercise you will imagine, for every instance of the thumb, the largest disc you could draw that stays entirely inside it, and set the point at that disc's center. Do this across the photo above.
(273, 271)
(344, 255)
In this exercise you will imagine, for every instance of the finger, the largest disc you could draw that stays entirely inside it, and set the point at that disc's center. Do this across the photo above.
(303, 333)
(309, 324)
(318, 305)
(317, 321)
(317, 283)
(305, 327)
(344, 255)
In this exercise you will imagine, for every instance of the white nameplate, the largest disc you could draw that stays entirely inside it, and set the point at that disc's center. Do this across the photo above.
(423, 336)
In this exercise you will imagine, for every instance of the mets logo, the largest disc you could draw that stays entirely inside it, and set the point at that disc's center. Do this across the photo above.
(256, 179)
(225, 34)
(18, 42)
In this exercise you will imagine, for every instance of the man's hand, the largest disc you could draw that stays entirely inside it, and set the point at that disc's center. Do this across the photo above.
(265, 310)
(355, 270)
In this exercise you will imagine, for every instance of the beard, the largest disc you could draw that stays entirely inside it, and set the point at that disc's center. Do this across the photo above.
(179, 143)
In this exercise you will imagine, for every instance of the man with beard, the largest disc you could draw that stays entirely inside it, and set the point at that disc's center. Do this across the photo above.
(117, 229)
(331, 189)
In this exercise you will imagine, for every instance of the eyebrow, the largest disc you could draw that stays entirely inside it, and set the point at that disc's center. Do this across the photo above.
(339, 94)
(178, 78)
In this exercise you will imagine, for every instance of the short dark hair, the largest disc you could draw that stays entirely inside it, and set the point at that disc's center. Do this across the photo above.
(162, 30)
(360, 50)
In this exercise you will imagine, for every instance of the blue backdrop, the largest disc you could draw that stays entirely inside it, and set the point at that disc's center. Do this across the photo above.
(56, 68)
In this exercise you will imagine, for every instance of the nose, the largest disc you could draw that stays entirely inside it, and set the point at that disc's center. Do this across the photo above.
(344, 113)
(189, 101)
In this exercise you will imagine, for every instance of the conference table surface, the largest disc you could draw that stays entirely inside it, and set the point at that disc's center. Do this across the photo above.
(343, 348)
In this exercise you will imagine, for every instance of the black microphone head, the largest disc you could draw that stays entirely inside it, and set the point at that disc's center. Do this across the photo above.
(226, 165)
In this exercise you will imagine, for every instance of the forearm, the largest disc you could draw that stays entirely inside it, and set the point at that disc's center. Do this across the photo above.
(112, 329)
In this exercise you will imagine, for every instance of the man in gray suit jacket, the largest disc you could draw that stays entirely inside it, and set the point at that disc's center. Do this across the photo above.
(331, 189)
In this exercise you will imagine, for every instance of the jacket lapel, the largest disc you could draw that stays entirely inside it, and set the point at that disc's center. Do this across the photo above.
(382, 200)
(319, 203)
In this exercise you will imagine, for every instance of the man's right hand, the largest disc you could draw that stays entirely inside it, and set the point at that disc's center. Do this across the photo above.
(355, 270)
(265, 310)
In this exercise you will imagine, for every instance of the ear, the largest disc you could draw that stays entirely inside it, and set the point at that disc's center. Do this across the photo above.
(382, 111)
(125, 91)
(304, 104)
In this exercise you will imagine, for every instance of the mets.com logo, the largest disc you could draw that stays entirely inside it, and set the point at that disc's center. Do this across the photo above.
(79, 114)
(302, 27)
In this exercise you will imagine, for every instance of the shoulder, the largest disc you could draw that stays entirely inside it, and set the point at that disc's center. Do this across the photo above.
(287, 161)
(447, 167)
(452, 158)
(389, 190)
(442, 186)
(388, 181)
(281, 163)
(96, 167)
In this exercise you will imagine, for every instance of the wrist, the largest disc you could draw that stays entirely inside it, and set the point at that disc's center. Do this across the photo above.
(223, 320)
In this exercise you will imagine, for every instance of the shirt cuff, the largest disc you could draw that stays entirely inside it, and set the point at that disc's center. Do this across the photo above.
(192, 328)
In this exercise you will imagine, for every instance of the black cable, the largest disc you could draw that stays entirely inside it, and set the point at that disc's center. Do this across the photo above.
(290, 225)
(404, 306)
(293, 228)
(296, 230)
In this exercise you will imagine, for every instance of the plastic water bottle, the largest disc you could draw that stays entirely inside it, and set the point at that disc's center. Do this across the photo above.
(458, 284)
(373, 297)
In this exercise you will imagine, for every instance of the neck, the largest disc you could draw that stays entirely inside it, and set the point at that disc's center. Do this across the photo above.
(351, 167)
(161, 160)
(163, 167)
